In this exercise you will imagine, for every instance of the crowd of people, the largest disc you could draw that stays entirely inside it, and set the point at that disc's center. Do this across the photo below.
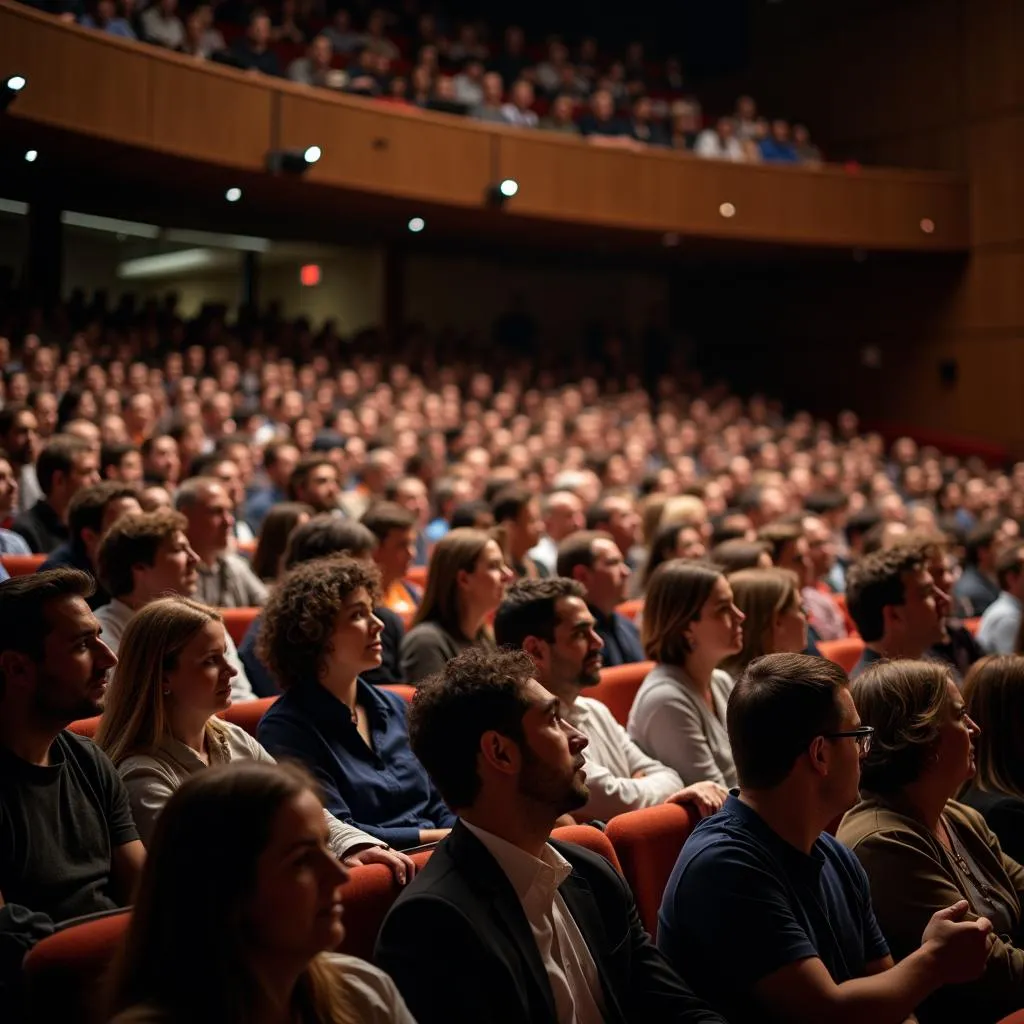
(418, 57)
(495, 539)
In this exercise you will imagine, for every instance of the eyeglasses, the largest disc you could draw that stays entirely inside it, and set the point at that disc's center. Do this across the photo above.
(862, 736)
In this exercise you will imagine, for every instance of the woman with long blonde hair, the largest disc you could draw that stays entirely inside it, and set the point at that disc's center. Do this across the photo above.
(250, 842)
(775, 621)
(160, 723)
(466, 582)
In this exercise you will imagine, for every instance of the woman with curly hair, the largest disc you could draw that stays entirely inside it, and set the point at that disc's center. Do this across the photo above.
(319, 634)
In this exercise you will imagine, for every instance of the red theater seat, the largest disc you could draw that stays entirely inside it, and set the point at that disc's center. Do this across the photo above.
(402, 689)
(1014, 1018)
(63, 972)
(22, 565)
(237, 621)
(247, 713)
(85, 727)
(972, 625)
(417, 576)
(618, 687)
(845, 653)
(592, 838)
(631, 609)
(648, 843)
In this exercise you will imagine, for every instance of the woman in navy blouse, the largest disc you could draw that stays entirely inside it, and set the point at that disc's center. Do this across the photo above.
(319, 633)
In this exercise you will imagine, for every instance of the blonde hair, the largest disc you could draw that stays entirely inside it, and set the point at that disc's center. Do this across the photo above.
(651, 509)
(675, 597)
(994, 695)
(134, 719)
(684, 510)
(761, 594)
(457, 551)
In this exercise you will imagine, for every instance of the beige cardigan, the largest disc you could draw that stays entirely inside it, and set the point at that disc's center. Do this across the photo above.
(912, 875)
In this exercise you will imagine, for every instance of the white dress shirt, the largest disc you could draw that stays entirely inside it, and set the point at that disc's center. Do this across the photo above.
(572, 973)
(114, 619)
(614, 761)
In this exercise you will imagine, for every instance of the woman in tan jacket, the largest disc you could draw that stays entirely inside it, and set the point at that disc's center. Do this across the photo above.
(921, 850)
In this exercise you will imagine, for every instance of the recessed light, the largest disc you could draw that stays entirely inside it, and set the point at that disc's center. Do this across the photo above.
(727, 210)
(417, 224)
(233, 195)
(31, 156)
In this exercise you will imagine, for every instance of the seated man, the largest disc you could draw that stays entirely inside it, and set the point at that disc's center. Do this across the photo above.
(517, 513)
(765, 869)
(523, 929)
(898, 610)
(1000, 624)
(327, 535)
(146, 556)
(65, 466)
(550, 621)
(225, 578)
(69, 844)
(93, 510)
(395, 530)
(594, 559)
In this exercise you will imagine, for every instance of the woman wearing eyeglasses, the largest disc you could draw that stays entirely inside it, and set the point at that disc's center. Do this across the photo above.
(921, 850)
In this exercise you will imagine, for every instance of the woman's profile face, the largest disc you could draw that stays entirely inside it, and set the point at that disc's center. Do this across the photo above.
(719, 630)
(295, 910)
(954, 752)
(201, 678)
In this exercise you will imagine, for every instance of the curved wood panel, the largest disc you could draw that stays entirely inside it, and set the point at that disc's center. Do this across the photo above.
(97, 86)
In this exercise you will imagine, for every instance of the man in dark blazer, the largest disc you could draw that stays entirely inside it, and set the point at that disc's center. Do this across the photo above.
(502, 925)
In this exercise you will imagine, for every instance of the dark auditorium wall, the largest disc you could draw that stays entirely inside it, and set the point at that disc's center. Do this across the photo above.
(923, 83)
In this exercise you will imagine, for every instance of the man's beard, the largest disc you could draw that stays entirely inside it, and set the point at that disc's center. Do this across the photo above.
(549, 787)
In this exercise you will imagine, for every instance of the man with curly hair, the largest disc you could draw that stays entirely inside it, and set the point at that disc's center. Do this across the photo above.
(319, 636)
(899, 611)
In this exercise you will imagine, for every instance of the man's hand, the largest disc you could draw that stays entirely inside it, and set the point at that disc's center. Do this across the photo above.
(402, 866)
(958, 947)
(707, 797)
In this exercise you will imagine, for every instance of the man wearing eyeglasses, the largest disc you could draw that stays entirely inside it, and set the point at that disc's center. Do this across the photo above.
(764, 880)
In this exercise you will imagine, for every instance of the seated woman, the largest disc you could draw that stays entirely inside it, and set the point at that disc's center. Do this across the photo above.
(920, 849)
(775, 622)
(677, 540)
(465, 584)
(160, 723)
(691, 625)
(994, 695)
(249, 840)
(319, 634)
(274, 533)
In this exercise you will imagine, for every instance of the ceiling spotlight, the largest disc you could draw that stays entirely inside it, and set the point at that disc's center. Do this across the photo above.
(233, 195)
(293, 161)
(417, 224)
(10, 89)
(498, 195)
(31, 156)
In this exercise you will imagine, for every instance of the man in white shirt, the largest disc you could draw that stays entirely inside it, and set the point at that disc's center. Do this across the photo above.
(145, 556)
(1000, 624)
(525, 930)
(161, 25)
(550, 621)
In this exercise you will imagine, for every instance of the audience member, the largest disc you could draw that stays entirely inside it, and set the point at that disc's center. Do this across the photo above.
(720, 143)
(562, 514)
(1001, 620)
(778, 147)
(561, 116)
(736, 555)
(162, 26)
(279, 462)
(677, 540)
(490, 107)
(314, 481)
(978, 585)
(11, 543)
(70, 846)
(601, 124)
(766, 866)
(319, 634)
(466, 582)
(19, 438)
(550, 621)
(592, 558)
(921, 850)
(774, 620)
(616, 515)
(65, 465)
(161, 460)
(519, 110)
(395, 531)
(822, 611)
(517, 516)
(225, 579)
(278, 525)
(121, 462)
(691, 624)
(253, 51)
(322, 536)
(104, 18)
(993, 692)
(268, 950)
(144, 557)
(532, 915)
(894, 602)
(91, 512)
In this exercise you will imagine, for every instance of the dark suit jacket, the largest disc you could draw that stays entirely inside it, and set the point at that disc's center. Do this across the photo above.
(460, 949)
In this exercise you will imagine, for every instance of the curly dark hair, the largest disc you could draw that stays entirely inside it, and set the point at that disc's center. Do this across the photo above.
(478, 690)
(300, 616)
(877, 581)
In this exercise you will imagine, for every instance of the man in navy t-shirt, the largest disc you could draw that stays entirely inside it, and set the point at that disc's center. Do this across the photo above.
(769, 916)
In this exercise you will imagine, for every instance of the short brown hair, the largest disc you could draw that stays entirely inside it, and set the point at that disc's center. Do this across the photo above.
(578, 549)
(301, 614)
(58, 456)
(1010, 563)
(739, 554)
(132, 540)
(384, 516)
(876, 582)
(778, 535)
(87, 508)
(903, 701)
(300, 474)
(675, 597)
